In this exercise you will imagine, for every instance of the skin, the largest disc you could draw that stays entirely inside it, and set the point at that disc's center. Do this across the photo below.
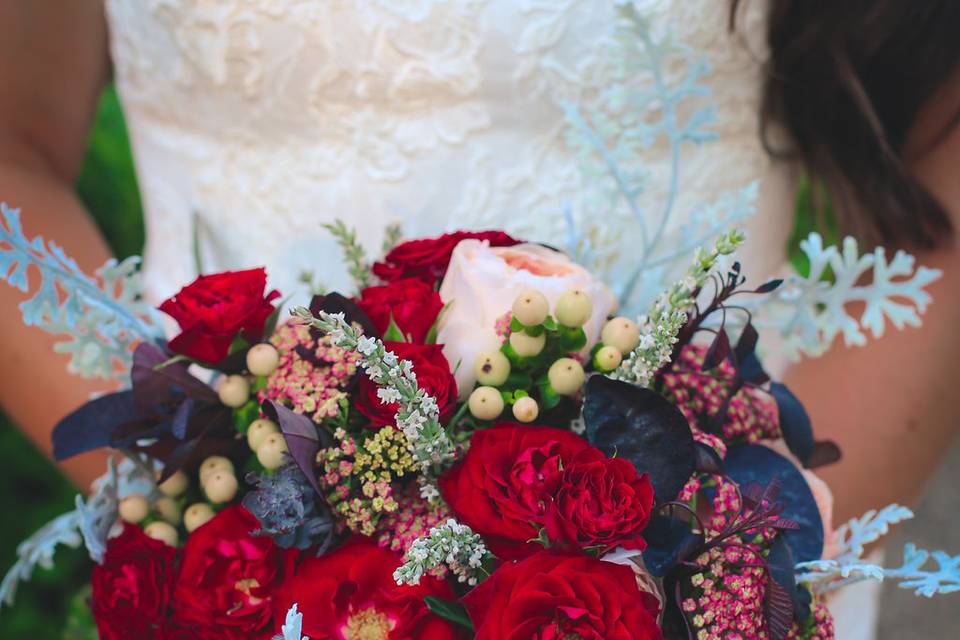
(891, 405)
(888, 405)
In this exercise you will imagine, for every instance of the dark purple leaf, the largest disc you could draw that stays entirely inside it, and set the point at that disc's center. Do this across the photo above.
(301, 435)
(178, 426)
(780, 599)
(706, 458)
(93, 425)
(336, 303)
(751, 370)
(794, 422)
(642, 427)
(718, 350)
(769, 286)
(751, 463)
(824, 452)
(153, 385)
(747, 344)
(670, 540)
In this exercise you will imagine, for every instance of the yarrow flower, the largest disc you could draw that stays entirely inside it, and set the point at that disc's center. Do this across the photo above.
(312, 375)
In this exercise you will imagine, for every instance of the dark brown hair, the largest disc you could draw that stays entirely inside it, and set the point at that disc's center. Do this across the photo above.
(845, 79)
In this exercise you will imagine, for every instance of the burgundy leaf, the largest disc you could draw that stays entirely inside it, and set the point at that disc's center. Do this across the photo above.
(719, 349)
(824, 452)
(301, 435)
(767, 287)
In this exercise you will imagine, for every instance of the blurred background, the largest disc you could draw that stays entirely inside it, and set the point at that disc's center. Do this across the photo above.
(32, 490)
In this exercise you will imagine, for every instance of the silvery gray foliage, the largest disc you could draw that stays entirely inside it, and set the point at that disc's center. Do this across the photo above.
(91, 523)
(286, 506)
(38, 550)
(292, 626)
(610, 142)
(810, 312)
(101, 318)
(916, 572)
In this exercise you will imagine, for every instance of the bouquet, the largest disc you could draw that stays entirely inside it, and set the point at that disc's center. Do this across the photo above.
(472, 445)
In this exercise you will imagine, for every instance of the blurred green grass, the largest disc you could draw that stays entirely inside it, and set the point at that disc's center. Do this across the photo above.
(34, 491)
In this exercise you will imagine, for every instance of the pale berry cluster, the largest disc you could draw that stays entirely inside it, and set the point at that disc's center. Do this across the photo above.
(751, 414)
(312, 373)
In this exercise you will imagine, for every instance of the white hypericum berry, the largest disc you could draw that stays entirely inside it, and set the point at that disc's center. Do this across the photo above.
(492, 368)
(167, 510)
(175, 484)
(259, 430)
(622, 334)
(262, 359)
(213, 464)
(134, 509)
(531, 308)
(526, 409)
(197, 515)
(527, 346)
(271, 452)
(234, 391)
(221, 487)
(162, 531)
(485, 403)
(607, 358)
(566, 376)
(573, 308)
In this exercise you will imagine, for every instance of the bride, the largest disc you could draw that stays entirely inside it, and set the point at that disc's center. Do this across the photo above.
(255, 121)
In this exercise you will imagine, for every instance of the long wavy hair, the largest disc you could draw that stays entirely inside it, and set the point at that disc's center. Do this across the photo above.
(845, 79)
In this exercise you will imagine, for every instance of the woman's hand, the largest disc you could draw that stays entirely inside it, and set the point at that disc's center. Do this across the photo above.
(53, 66)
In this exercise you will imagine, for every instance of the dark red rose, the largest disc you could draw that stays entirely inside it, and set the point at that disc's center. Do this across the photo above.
(504, 484)
(131, 588)
(351, 593)
(599, 502)
(552, 596)
(215, 309)
(413, 304)
(427, 259)
(433, 376)
(227, 577)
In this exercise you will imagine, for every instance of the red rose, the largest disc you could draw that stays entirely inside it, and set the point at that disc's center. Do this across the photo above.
(351, 593)
(599, 502)
(427, 259)
(413, 304)
(551, 596)
(226, 579)
(131, 588)
(503, 486)
(215, 309)
(433, 376)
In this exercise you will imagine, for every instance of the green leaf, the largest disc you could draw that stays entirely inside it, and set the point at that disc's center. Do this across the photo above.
(572, 340)
(516, 325)
(548, 397)
(550, 324)
(534, 331)
(245, 415)
(452, 611)
(239, 344)
(271, 324)
(393, 333)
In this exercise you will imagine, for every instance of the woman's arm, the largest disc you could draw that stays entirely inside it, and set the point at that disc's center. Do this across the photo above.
(53, 65)
(894, 405)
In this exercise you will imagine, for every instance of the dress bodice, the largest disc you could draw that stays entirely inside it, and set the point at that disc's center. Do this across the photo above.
(254, 121)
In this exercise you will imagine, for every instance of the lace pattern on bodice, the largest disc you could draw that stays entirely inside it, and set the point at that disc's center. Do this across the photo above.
(258, 120)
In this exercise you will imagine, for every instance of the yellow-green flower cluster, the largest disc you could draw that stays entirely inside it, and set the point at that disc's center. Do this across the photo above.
(360, 476)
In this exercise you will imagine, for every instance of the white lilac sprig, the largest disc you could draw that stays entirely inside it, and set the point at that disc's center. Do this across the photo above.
(418, 415)
(451, 544)
(668, 314)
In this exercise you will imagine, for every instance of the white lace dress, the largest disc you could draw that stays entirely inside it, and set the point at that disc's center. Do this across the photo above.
(255, 121)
